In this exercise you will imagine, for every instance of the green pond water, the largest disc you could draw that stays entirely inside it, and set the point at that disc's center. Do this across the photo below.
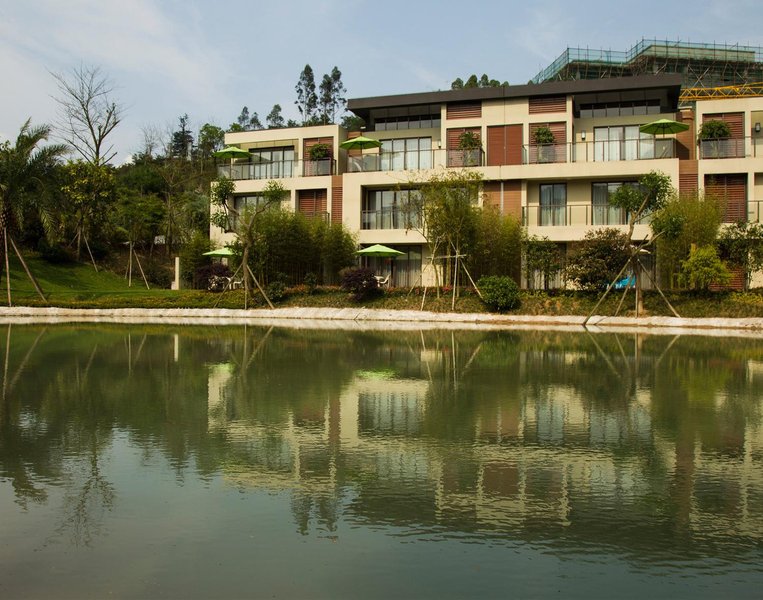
(229, 462)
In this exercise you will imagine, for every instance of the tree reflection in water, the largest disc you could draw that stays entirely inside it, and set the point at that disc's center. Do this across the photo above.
(649, 444)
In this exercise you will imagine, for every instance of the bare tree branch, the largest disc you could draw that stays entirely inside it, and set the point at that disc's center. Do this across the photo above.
(87, 113)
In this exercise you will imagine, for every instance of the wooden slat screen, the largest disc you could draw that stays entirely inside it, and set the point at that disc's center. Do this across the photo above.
(559, 129)
(504, 145)
(548, 104)
(733, 190)
(735, 121)
(511, 203)
(311, 202)
(686, 142)
(687, 176)
(310, 142)
(452, 136)
(464, 110)
(737, 282)
(337, 193)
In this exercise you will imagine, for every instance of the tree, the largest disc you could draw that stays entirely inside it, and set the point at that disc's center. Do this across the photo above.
(474, 82)
(246, 122)
(703, 268)
(24, 171)
(181, 145)
(497, 247)
(243, 220)
(331, 101)
(87, 112)
(599, 258)
(685, 221)
(211, 138)
(352, 122)
(741, 244)
(542, 256)
(307, 100)
(443, 209)
(88, 191)
(275, 120)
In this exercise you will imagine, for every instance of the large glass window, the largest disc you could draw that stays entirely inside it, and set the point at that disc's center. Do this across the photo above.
(622, 143)
(243, 204)
(603, 213)
(390, 209)
(406, 154)
(553, 204)
(272, 163)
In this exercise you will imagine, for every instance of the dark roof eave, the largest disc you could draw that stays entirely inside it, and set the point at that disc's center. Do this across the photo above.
(672, 82)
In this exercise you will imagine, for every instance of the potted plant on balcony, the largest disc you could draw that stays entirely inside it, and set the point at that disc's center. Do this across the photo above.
(318, 153)
(544, 140)
(471, 146)
(713, 132)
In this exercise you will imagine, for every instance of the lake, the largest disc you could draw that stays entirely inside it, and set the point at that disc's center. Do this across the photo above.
(238, 461)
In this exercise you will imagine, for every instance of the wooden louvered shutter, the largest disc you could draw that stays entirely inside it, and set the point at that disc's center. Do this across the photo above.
(547, 104)
(735, 121)
(733, 190)
(337, 194)
(687, 176)
(504, 145)
(559, 129)
(464, 110)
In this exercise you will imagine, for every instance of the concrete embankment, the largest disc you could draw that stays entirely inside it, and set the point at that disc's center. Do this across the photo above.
(362, 318)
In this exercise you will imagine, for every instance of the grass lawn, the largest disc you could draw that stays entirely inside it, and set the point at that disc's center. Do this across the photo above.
(79, 286)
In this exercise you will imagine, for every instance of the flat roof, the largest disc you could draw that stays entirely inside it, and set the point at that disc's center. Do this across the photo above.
(669, 83)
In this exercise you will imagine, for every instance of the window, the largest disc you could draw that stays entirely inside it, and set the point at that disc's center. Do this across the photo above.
(622, 143)
(553, 204)
(406, 154)
(389, 209)
(243, 204)
(272, 163)
(603, 213)
(407, 122)
(620, 109)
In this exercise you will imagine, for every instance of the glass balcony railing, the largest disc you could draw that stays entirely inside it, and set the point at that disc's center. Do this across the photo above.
(727, 148)
(277, 170)
(388, 218)
(574, 215)
(415, 160)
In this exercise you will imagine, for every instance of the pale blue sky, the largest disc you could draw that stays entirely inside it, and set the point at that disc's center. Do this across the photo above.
(208, 59)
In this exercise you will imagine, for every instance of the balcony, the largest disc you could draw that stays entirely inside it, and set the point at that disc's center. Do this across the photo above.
(415, 160)
(534, 154)
(277, 170)
(726, 148)
(388, 218)
(574, 215)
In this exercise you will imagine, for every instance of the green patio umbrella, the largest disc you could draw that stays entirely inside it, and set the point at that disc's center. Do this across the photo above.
(360, 143)
(232, 152)
(663, 126)
(380, 250)
(219, 252)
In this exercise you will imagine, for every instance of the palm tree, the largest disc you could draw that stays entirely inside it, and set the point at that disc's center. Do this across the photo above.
(24, 169)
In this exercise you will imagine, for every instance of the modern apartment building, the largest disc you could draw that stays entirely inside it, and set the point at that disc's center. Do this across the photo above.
(559, 190)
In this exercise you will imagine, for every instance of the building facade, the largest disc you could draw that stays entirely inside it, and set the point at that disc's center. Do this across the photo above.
(559, 189)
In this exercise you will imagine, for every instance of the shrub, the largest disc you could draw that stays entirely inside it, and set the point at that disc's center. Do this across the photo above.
(276, 291)
(156, 272)
(54, 253)
(499, 293)
(714, 130)
(703, 268)
(311, 282)
(598, 259)
(360, 282)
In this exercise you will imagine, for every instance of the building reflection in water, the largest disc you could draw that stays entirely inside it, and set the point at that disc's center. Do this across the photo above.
(524, 438)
